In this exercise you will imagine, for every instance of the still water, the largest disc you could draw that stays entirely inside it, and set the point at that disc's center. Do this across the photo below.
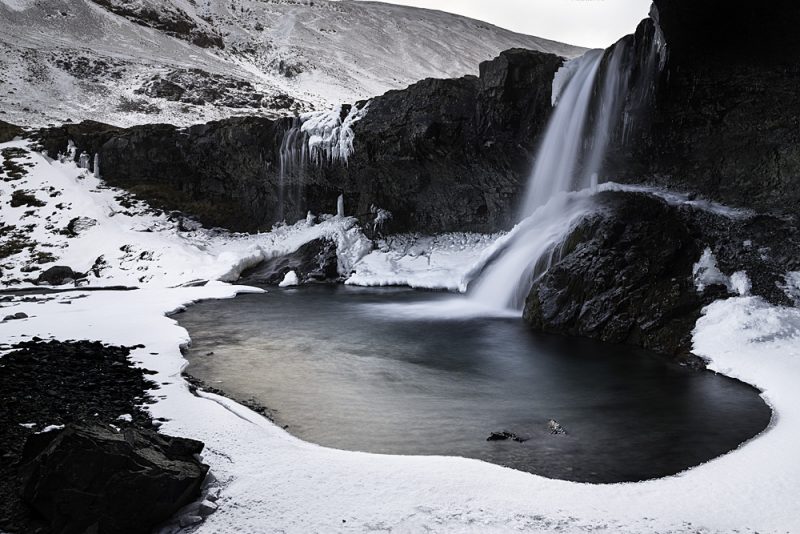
(364, 369)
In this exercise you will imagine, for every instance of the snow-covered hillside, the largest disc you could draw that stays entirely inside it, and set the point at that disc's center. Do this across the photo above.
(183, 61)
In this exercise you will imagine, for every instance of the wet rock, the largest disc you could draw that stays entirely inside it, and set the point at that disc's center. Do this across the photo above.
(58, 275)
(315, 261)
(505, 435)
(626, 274)
(89, 477)
(555, 427)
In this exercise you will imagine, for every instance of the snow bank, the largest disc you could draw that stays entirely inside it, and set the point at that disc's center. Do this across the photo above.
(271, 481)
(427, 262)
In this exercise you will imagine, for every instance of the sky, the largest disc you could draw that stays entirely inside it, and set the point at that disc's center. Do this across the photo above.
(589, 23)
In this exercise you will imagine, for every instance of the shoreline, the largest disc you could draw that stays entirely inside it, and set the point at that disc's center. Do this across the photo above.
(268, 476)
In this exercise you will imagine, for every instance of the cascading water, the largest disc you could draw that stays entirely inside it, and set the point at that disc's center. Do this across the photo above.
(588, 108)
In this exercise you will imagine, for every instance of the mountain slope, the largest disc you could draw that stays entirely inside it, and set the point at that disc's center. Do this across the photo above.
(184, 61)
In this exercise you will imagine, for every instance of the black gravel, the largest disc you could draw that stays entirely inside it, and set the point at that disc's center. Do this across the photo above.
(54, 383)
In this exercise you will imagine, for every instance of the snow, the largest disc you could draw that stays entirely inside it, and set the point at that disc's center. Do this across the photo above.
(706, 273)
(271, 481)
(445, 261)
(319, 54)
(289, 280)
(136, 246)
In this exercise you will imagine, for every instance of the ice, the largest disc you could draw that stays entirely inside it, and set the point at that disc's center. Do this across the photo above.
(706, 273)
(290, 279)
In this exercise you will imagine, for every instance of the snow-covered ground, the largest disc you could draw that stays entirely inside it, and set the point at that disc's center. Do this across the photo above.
(273, 482)
(75, 59)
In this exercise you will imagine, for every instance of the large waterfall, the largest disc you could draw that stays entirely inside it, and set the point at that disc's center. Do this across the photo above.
(589, 94)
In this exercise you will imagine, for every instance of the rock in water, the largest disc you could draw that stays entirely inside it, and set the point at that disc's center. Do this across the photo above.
(505, 435)
(87, 478)
(555, 427)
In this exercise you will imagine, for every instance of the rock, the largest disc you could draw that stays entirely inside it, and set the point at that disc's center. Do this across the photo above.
(413, 150)
(626, 274)
(555, 427)
(79, 224)
(8, 132)
(90, 478)
(726, 108)
(208, 507)
(16, 316)
(505, 435)
(58, 275)
(315, 261)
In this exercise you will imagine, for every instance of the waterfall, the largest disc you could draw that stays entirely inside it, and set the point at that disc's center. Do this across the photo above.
(317, 138)
(589, 107)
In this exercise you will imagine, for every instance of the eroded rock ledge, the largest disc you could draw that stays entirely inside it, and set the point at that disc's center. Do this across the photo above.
(628, 274)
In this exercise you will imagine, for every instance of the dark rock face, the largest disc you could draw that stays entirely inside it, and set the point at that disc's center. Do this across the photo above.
(726, 118)
(625, 278)
(9, 131)
(87, 478)
(441, 155)
(626, 275)
(315, 261)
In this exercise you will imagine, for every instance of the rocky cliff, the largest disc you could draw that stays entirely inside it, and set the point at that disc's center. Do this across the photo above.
(441, 155)
(725, 120)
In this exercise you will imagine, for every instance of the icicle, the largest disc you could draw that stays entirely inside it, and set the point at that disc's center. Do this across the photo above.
(340, 206)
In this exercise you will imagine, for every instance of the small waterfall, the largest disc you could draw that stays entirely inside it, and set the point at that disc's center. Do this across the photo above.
(317, 138)
(592, 95)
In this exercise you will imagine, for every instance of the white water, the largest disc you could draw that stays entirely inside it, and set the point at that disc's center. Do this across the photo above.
(570, 158)
(549, 212)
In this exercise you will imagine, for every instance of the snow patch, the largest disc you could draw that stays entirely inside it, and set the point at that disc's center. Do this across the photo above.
(290, 280)
(706, 273)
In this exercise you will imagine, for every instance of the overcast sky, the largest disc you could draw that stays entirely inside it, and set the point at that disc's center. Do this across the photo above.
(590, 23)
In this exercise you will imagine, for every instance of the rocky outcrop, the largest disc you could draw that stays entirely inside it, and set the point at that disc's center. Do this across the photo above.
(169, 19)
(90, 478)
(441, 155)
(725, 120)
(628, 273)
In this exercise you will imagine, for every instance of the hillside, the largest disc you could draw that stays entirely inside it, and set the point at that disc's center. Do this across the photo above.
(184, 61)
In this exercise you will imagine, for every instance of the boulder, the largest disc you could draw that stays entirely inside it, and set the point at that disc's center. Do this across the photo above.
(624, 276)
(627, 273)
(89, 478)
(315, 261)
(58, 275)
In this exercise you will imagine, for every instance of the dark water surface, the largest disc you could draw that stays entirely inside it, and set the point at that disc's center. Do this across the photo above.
(346, 372)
